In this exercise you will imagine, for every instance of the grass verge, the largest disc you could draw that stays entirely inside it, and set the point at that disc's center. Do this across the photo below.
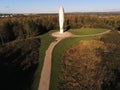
(56, 59)
(46, 39)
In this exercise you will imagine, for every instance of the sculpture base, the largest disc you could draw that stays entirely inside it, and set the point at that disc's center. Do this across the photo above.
(65, 34)
(61, 31)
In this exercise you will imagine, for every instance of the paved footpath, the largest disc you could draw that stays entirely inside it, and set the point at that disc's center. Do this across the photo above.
(46, 70)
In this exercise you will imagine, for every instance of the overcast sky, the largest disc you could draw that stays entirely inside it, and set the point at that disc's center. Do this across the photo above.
(52, 6)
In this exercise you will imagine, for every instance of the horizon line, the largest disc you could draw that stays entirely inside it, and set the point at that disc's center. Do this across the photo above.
(57, 12)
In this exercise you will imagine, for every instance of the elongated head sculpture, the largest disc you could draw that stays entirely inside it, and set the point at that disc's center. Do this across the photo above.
(61, 19)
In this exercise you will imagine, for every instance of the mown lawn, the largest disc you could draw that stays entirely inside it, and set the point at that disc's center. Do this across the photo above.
(46, 39)
(87, 31)
(57, 57)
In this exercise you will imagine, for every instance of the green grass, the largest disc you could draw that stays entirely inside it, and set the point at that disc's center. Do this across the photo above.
(57, 57)
(87, 31)
(46, 39)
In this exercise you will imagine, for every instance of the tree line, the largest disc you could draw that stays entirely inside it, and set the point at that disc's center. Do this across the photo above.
(24, 27)
(28, 26)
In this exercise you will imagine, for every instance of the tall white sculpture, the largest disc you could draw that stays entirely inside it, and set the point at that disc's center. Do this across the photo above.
(61, 19)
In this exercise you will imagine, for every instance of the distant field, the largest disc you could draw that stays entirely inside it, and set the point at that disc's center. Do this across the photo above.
(87, 31)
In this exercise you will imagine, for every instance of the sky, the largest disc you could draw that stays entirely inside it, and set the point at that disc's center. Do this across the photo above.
(52, 6)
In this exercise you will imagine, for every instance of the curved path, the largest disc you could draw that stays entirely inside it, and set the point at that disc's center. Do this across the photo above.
(92, 34)
(46, 70)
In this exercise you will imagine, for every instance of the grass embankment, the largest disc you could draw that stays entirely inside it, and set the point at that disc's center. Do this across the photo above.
(92, 64)
(57, 56)
(87, 31)
(46, 39)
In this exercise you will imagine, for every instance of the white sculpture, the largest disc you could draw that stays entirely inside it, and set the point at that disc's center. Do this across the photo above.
(61, 19)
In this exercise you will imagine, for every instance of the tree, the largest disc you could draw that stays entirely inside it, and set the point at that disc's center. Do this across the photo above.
(6, 32)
